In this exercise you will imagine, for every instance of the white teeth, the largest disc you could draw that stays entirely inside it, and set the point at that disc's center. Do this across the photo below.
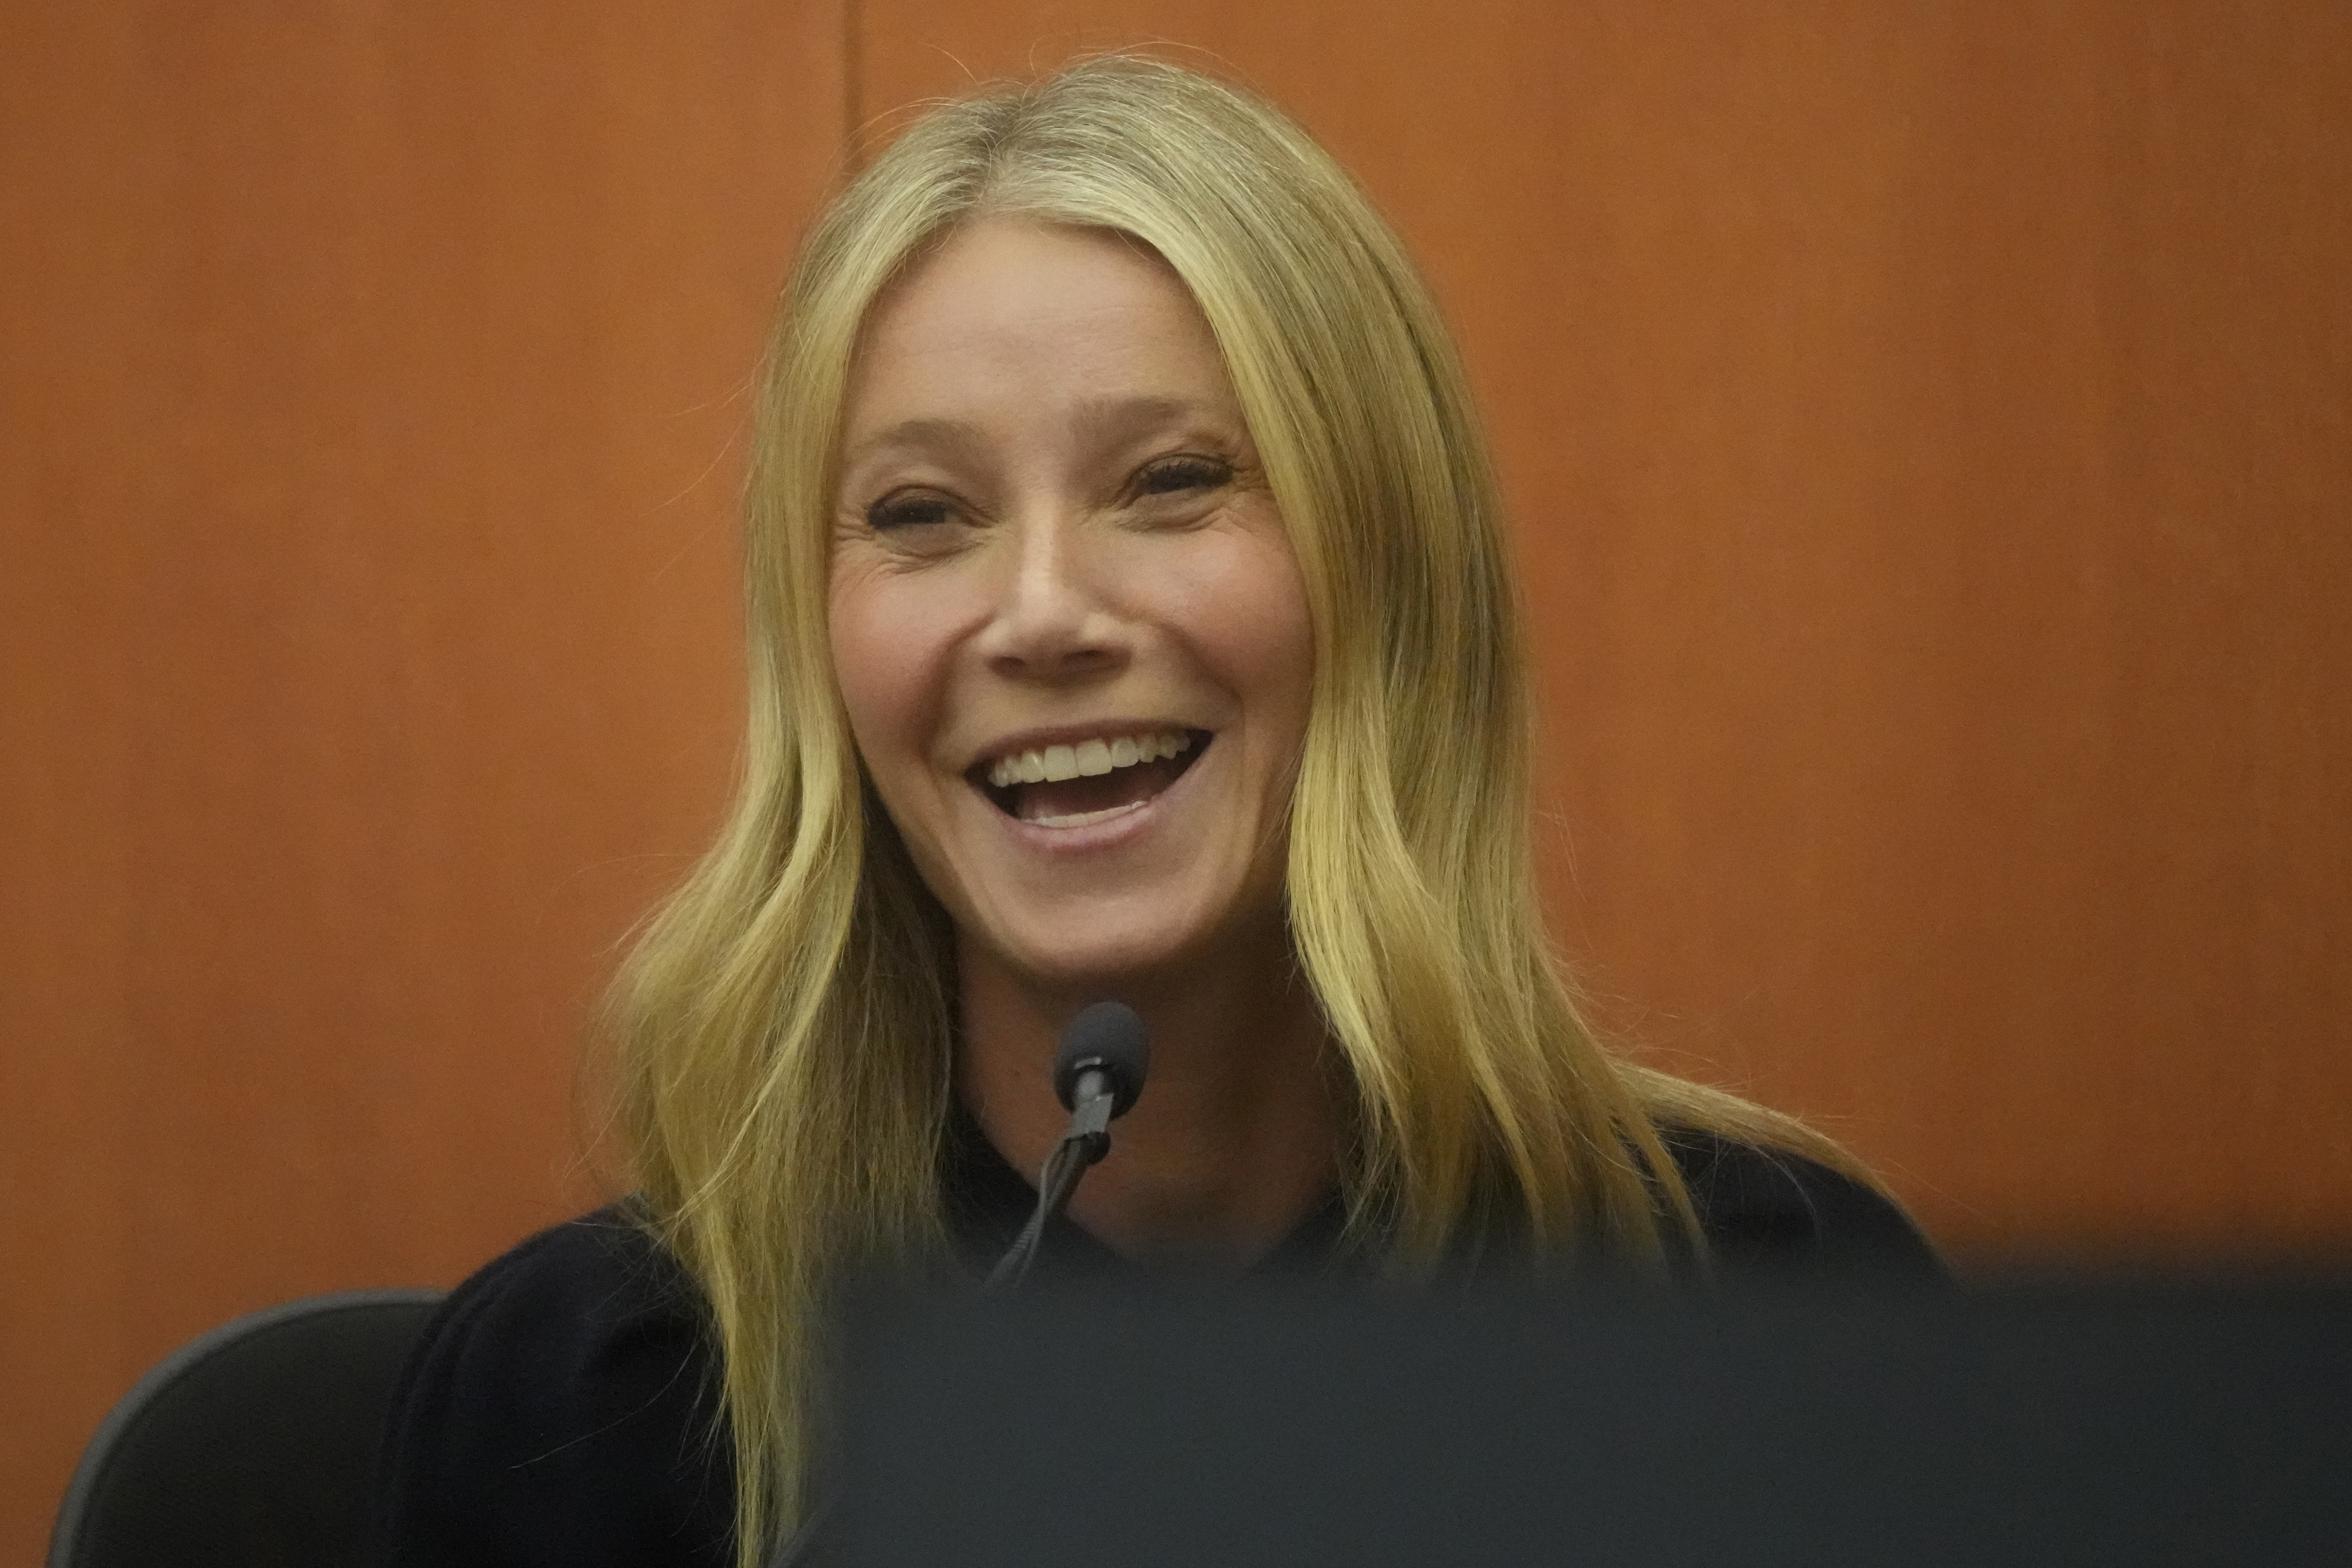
(1088, 759)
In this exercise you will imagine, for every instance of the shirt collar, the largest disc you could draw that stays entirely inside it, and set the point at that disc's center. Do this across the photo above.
(988, 1202)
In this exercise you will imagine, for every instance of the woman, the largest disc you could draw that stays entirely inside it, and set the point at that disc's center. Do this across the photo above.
(1129, 619)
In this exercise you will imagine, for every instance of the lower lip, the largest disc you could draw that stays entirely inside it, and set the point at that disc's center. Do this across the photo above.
(1109, 833)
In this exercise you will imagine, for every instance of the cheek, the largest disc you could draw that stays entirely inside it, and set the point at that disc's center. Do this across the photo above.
(885, 677)
(1251, 618)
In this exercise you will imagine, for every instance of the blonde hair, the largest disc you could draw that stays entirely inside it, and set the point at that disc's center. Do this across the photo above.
(785, 1024)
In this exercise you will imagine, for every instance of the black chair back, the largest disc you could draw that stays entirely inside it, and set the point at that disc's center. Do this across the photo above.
(253, 1446)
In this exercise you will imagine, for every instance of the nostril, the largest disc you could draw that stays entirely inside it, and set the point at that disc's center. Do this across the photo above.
(1047, 628)
(1058, 663)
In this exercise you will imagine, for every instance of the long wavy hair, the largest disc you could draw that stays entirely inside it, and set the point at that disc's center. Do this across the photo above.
(784, 1025)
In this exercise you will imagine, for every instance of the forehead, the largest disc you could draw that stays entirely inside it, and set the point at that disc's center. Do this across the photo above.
(1031, 316)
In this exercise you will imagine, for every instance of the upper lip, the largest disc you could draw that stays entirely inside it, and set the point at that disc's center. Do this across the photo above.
(1071, 733)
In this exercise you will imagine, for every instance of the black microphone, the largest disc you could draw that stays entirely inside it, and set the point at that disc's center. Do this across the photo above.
(1097, 1073)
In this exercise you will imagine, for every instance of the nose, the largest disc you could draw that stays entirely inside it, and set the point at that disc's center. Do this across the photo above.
(1053, 621)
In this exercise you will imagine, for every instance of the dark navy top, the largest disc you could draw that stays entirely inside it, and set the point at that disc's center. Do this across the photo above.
(561, 1407)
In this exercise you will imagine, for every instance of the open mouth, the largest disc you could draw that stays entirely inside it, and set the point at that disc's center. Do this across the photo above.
(1092, 781)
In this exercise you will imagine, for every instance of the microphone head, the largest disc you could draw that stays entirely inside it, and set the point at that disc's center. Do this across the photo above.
(1106, 1038)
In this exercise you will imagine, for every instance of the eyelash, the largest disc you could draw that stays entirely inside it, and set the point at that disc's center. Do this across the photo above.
(1189, 472)
(1166, 476)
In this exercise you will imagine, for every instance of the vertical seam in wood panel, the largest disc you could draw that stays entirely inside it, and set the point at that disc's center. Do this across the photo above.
(850, 96)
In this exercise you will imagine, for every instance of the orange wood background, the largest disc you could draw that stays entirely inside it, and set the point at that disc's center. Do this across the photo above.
(1930, 429)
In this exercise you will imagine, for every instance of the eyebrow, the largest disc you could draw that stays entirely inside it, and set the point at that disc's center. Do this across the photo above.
(916, 432)
(1126, 415)
(1100, 417)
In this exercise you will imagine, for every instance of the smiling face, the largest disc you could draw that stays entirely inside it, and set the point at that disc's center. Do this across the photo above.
(1067, 622)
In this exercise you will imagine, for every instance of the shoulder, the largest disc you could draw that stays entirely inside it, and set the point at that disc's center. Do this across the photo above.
(1766, 1208)
(562, 1406)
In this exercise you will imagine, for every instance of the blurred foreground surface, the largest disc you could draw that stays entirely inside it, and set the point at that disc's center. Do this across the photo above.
(1784, 1423)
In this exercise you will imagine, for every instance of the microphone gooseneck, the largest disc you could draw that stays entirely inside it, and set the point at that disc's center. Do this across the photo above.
(1098, 1071)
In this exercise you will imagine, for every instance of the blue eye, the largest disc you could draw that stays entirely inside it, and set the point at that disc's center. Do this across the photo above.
(904, 511)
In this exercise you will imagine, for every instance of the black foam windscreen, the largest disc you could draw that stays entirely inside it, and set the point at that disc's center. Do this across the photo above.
(1107, 1037)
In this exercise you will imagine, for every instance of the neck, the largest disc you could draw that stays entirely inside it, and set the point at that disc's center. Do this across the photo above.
(1235, 1138)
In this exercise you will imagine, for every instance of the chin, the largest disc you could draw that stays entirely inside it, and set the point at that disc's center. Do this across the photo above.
(1099, 961)
(1091, 948)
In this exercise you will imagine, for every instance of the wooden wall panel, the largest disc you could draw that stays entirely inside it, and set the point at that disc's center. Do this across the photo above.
(1930, 439)
(371, 379)
(1927, 426)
